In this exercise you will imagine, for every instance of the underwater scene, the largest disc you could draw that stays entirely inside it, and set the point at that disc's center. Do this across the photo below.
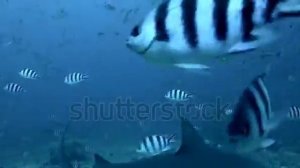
(149, 83)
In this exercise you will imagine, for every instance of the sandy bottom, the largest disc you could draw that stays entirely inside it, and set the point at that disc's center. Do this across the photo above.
(35, 156)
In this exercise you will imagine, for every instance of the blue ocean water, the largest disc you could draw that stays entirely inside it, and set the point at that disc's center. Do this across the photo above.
(58, 37)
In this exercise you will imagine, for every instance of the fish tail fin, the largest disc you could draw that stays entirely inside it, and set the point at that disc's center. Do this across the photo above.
(191, 96)
(171, 138)
(38, 77)
(85, 76)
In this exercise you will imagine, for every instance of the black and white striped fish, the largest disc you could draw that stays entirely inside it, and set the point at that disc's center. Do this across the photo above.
(178, 95)
(228, 111)
(13, 88)
(294, 113)
(75, 78)
(187, 33)
(29, 74)
(252, 118)
(155, 144)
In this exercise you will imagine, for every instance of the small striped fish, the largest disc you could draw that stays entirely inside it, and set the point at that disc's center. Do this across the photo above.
(294, 113)
(13, 88)
(155, 144)
(75, 78)
(252, 118)
(29, 74)
(177, 95)
(57, 132)
(228, 111)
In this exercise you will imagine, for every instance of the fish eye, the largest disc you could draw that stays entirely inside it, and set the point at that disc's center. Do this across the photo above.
(135, 31)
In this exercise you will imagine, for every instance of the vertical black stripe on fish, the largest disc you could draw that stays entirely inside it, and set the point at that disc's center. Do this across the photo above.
(178, 95)
(247, 20)
(146, 145)
(29, 73)
(173, 94)
(295, 112)
(270, 7)
(152, 142)
(220, 19)
(181, 95)
(165, 141)
(292, 113)
(25, 72)
(76, 77)
(251, 99)
(17, 88)
(160, 142)
(262, 95)
(189, 8)
(240, 125)
(160, 22)
(14, 88)
(20, 89)
(10, 87)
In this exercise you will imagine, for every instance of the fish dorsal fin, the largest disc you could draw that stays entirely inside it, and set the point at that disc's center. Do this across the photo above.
(190, 139)
(99, 160)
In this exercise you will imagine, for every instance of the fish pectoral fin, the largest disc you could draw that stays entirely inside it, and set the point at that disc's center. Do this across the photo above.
(259, 37)
(267, 143)
(192, 66)
(199, 69)
(241, 47)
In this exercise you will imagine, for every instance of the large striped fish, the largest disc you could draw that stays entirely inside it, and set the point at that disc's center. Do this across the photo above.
(187, 33)
(252, 118)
